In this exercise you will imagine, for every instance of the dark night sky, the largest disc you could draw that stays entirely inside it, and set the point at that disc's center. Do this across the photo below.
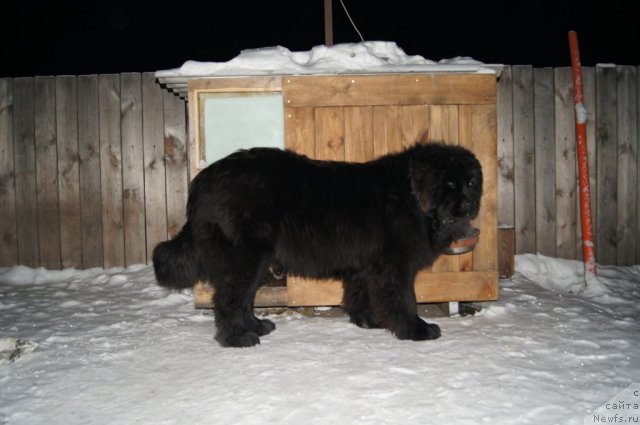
(70, 37)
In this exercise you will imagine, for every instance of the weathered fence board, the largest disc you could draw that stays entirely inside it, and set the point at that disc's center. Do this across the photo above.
(68, 171)
(154, 164)
(93, 168)
(135, 245)
(627, 232)
(111, 170)
(524, 157)
(607, 166)
(545, 160)
(637, 261)
(47, 172)
(89, 156)
(506, 179)
(566, 214)
(8, 231)
(175, 148)
(25, 172)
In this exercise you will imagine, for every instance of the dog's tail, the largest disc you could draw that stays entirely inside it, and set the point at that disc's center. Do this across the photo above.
(175, 262)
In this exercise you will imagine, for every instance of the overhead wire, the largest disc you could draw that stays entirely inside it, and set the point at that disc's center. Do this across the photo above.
(351, 20)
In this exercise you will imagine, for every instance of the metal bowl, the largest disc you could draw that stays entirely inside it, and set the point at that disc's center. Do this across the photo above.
(466, 244)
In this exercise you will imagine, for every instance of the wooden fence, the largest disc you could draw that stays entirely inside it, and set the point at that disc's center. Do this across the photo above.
(93, 168)
(537, 161)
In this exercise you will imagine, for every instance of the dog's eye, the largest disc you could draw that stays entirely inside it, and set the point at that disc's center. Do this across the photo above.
(451, 185)
(471, 183)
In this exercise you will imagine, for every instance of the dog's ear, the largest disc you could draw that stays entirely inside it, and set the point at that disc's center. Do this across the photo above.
(422, 185)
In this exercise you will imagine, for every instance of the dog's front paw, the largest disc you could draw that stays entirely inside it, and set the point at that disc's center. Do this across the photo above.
(426, 331)
(264, 327)
(247, 339)
(419, 330)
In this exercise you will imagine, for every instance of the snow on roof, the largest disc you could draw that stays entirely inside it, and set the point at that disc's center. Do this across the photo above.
(348, 58)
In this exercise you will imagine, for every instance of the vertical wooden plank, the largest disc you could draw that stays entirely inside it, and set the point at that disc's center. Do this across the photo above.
(627, 165)
(175, 148)
(565, 165)
(25, 171)
(506, 194)
(300, 137)
(329, 133)
(387, 131)
(607, 170)
(484, 145)
(524, 156)
(135, 249)
(637, 118)
(299, 130)
(47, 172)
(8, 219)
(544, 140)
(415, 124)
(465, 139)
(89, 171)
(589, 89)
(68, 171)
(443, 124)
(154, 169)
(358, 133)
(111, 170)
(195, 108)
(444, 127)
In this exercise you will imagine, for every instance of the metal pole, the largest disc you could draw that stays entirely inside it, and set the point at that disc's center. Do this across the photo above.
(588, 247)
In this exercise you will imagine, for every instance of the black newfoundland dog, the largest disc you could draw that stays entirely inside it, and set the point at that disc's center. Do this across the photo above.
(372, 225)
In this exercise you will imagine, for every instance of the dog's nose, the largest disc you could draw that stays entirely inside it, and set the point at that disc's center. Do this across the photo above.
(465, 208)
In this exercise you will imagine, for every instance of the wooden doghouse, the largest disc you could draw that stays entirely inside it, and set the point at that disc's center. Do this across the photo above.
(357, 118)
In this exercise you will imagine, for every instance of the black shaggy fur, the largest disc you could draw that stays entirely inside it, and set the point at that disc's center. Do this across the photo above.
(372, 225)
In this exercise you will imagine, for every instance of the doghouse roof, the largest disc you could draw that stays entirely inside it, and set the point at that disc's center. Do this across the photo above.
(370, 57)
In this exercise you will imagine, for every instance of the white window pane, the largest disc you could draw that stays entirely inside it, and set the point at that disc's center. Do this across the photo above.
(235, 121)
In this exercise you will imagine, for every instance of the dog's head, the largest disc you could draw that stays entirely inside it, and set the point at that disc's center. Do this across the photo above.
(446, 181)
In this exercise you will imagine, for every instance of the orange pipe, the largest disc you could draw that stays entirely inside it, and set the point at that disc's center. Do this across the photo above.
(588, 247)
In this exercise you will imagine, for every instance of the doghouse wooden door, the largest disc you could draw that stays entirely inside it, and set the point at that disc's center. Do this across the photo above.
(358, 118)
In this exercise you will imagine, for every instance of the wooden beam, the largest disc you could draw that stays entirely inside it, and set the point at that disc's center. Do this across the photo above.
(328, 23)
(429, 287)
(396, 89)
(267, 296)
(310, 292)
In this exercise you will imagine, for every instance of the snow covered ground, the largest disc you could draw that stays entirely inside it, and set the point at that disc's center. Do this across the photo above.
(113, 348)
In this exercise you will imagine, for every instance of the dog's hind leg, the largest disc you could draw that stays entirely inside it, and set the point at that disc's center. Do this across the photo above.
(236, 272)
(393, 303)
(234, 299)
